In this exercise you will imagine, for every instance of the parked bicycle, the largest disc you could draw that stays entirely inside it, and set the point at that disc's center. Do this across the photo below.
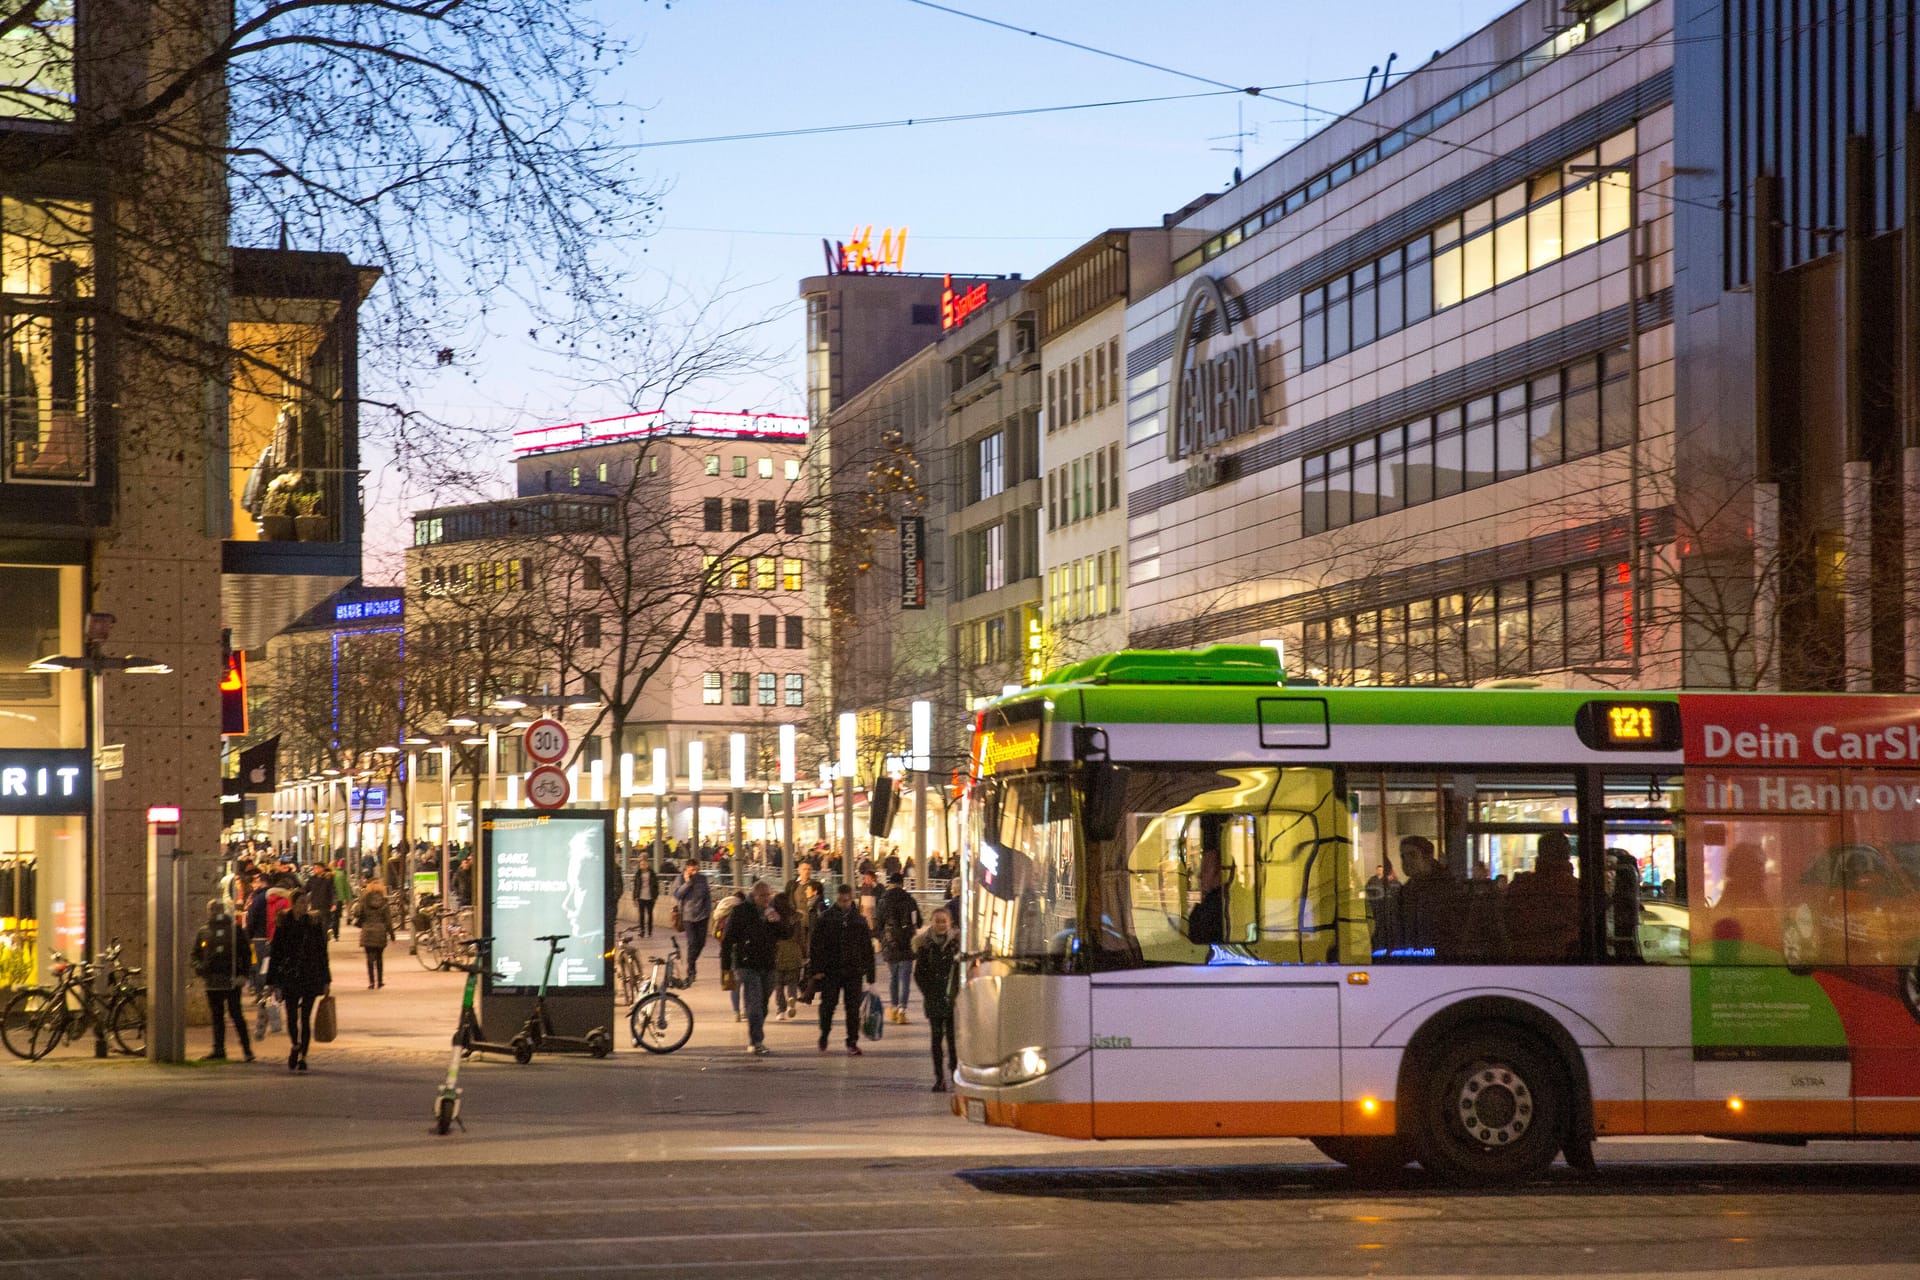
(627, 969)
(441, 945)
(73, 1008)
(660, 1021)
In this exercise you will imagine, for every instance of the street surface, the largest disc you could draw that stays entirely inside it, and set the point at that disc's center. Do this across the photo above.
(708, 1160)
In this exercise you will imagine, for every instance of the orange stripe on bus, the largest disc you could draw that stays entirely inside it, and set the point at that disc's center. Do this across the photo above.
(1753, 1115)
(1886, 1115)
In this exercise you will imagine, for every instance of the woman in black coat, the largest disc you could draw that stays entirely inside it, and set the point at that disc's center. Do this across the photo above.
(297, 968)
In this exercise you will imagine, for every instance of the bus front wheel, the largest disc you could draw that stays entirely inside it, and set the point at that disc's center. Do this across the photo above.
(1375, 1156)
(1493, 1109)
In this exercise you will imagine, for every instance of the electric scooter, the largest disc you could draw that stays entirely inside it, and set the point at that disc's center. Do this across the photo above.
(538, 1031)
(469, 1038)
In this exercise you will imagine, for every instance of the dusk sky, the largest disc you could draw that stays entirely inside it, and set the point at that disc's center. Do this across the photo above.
(998, 195)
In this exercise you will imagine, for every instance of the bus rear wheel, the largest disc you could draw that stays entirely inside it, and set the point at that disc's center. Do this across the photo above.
(1493, 1109)
(1378, 1156)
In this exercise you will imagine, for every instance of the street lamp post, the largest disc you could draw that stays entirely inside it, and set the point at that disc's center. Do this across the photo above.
(848, 753)
(95, 665)
(696, 782)
(659, 807)
(788, 771)
(737, 780)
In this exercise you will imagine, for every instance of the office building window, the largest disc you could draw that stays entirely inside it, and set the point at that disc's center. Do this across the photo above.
(790, 575)
(769, 631)
(600, 473)
(712, 464)
(763, 575)
(990, 473)
(742, 688)
(769, 686)
(790, 513)
(710, 515)
(792, 469)
(767, 513)
(590, 576)
(737, 515)
(796, 690)
(710, 688)
(1576, 410)
(716, 625)
(590, 630)
(737, 575)
(742, 631)
(740, 466)
(764, 468)
(795, 639)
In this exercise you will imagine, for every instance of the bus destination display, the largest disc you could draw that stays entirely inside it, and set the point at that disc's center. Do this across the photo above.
(1629, 726)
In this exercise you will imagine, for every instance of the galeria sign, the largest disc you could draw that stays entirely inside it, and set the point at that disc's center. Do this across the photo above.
(1216, 396)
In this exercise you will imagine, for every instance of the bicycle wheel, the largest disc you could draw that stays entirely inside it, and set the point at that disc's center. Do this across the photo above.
(18, 1014)
(629, 978)
(47, 1029)
(661, 1023)
(127, 1020)
(426, 949)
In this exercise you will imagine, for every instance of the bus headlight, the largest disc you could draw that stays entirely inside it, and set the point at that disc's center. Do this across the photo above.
(1018, 1067)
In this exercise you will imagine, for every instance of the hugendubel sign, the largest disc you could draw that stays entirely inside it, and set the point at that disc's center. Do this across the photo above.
(913, 562)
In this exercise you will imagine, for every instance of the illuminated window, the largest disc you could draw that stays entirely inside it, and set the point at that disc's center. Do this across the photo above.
(793, 469)
(740, 466)
(765, 468)
(737, 574)
(710, 568)
(768, 686)
(790, 575)
(796, 691)
(36, 62)
(600, 473)
(710, 688)
(712, 464)
(763, 575)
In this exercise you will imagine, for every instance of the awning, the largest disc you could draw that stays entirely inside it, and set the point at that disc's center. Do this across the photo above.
(814, 806)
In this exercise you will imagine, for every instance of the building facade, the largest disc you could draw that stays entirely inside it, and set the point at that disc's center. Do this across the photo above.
(654, 572)
(128, 454)
(1388, 412)
(1083, 302)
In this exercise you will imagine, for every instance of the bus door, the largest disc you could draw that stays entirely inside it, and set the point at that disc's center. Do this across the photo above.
(1227, 1022)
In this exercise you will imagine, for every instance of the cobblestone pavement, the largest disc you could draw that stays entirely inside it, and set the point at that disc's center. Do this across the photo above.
(709, 1160)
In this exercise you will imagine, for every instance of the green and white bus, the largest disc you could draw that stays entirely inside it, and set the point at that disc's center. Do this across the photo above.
(1475, 928)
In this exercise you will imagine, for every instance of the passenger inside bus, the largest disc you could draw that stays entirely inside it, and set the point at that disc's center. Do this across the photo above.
(1207, 922)
(1543, 905)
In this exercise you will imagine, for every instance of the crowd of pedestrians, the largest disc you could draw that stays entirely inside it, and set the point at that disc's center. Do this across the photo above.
(780, 949)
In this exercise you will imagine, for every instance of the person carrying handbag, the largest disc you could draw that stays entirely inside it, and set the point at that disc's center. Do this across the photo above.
(297, 968)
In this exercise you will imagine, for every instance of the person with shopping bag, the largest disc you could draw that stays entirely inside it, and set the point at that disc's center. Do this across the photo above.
(297, 968)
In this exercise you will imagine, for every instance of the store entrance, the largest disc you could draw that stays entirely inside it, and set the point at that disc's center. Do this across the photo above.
(43, 894)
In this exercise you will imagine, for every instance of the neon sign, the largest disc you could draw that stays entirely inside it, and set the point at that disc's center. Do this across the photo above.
(956, 307)
(861, 256)
(355, 610)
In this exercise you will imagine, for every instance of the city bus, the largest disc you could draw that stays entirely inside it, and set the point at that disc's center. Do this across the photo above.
(1473, 928)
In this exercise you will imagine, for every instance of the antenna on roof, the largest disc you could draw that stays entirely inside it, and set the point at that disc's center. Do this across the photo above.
(1239, 138)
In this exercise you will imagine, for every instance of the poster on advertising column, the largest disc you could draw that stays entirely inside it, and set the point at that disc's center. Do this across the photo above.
(546, 873)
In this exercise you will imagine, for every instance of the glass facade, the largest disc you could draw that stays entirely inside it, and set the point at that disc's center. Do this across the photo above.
(46, 273)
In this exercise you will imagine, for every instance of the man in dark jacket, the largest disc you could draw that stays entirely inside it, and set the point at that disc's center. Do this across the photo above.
(694, 896)
(747, 945)
(298, 969)
(899, 917)
(841, 963)
(222, 960)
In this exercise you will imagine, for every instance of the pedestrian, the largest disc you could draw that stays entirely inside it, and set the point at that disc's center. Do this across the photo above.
(899, 917)
(693, 902)
(717, 926)
(376, 931)
(297, 967)
(342, 894)
(646, 888)
(936, 970)
(790, 957)
(222, 959)
(749, 948)
(841, 958)
(868, 897)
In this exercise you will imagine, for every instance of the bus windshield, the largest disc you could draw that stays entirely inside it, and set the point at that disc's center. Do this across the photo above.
(1020, 902)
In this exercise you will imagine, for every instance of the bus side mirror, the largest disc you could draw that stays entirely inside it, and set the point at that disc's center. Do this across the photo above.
(1105, 801)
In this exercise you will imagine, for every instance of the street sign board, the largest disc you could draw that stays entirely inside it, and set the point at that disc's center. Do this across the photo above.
(547, 740)
(547, 788)
(366, 797)
(113, 759)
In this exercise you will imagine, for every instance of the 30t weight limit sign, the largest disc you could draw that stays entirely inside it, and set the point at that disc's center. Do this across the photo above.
(546, 741)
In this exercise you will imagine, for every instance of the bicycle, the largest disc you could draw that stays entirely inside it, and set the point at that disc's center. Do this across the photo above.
(120, 1012)
(627, 968)
(438, 945)
(660, 1021)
